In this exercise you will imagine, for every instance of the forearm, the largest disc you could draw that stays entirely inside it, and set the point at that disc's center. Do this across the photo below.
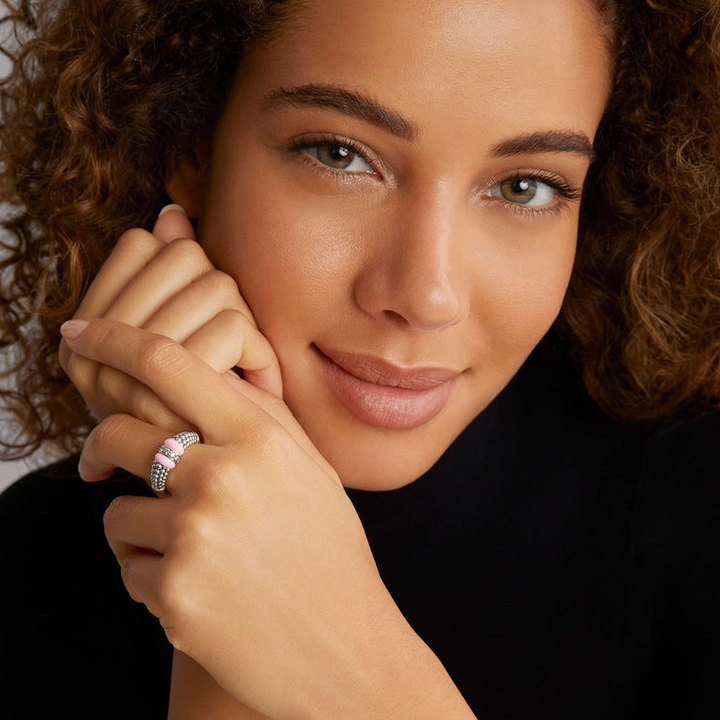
(395, 676)
(194, 695)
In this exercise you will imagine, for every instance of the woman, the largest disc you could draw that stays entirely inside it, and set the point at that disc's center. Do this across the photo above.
(383, 518)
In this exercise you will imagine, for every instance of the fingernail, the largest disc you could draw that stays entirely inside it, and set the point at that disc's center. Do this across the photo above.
(72, 328)
(167, 208)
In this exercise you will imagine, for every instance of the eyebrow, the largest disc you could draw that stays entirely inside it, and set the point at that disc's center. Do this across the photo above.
(347, 102)
(552, 141)
(361, 106)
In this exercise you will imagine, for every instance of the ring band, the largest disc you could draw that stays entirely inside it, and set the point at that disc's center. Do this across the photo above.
(168, 456)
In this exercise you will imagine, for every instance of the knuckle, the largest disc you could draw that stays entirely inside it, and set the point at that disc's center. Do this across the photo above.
(270, 441)
(235, 321)
(222, 284)
(109, 432)
(108, 382)
(219, 479)
(271, 449)
(160, 354)
(126, 573)
(103, 332)
(126, 568)
(116, 511)
(80, 370)
(134, 239)
(196, 529)
(189, 254)
(186, 246)
(148, 407)
(174, 592)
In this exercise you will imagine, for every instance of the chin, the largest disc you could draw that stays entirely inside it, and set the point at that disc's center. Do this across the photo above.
(384, 476)
(375, 459)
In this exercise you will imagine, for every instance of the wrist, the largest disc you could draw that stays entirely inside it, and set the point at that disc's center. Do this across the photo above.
(387, 671)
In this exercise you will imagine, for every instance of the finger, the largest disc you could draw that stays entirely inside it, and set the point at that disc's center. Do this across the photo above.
(134, 249)
(173, 223)
(132, 252)
(221, 346)
(84, 374)
(119, 441)
(278, 410)
(137, 522)
(184, 382)
(122, 441)
(140, 571)
(230, 340)
(173, 268)
(116, 390)
(197, 304)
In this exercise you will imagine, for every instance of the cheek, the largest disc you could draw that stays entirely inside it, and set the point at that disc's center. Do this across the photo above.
(519, 294)
(290, 256)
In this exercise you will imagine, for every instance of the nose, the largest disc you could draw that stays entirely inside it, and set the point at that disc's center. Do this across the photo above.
(414, 277)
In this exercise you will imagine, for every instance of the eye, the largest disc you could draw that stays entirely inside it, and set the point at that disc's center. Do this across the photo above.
(524, 191)
(338, 157)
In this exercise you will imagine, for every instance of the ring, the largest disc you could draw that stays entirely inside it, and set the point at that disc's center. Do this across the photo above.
(168, 456)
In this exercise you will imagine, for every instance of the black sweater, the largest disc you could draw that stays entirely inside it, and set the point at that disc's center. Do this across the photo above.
(560, 564)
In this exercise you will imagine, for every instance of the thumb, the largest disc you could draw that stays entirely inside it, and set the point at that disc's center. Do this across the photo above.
(173, 223)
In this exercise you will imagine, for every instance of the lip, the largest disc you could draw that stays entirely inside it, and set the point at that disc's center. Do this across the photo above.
(384, 395)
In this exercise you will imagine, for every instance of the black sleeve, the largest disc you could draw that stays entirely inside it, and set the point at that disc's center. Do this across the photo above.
(679, 561)
(71, 639)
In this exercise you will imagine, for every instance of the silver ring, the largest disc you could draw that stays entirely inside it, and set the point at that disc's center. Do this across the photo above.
(169, 459)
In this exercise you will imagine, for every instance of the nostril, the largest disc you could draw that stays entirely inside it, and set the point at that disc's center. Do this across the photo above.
(395, 317)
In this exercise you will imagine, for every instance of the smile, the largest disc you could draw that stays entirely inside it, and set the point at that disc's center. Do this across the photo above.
(385, 395)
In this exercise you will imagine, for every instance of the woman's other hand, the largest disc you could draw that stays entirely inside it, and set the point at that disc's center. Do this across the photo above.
(256, 564)
(163, 282)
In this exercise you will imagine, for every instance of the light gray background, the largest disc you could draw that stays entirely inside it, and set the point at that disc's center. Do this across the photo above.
(9, 471)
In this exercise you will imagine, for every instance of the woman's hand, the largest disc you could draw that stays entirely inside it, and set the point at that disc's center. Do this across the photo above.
(257, 564)
(164, 283)
(134, 263)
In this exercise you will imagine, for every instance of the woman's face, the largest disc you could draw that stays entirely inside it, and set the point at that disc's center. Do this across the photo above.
(394, 186)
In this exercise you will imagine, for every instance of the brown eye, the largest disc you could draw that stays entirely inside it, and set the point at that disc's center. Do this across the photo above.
(518, 190)
(335, 156)
(524, 191)
(339, 157)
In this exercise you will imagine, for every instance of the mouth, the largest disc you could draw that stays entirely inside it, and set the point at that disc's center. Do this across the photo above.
(384, 395)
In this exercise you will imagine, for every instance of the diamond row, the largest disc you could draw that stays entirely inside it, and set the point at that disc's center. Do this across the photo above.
(158, 472)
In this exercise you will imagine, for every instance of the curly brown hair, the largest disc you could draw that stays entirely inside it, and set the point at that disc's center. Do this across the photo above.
(106, 95)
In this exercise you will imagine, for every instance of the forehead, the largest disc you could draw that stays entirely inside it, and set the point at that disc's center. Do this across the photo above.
(447, 61)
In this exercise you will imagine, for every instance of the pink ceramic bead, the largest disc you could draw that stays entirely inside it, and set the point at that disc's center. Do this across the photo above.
(166, 461)
(173, 444)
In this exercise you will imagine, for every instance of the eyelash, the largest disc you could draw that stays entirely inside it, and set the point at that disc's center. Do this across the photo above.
(300, 145)
(565, 191)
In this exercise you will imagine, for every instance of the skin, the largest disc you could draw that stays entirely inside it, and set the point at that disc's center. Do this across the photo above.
(415, 258)
(414, 263)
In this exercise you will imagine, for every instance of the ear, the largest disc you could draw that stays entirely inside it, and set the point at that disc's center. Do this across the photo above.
(184, 181)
